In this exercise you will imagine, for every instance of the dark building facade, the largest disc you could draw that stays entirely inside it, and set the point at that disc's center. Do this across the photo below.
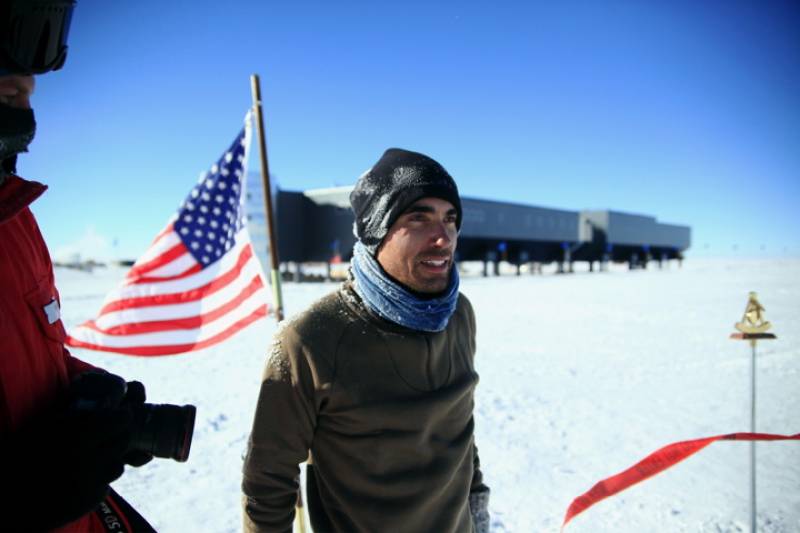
(317, 226)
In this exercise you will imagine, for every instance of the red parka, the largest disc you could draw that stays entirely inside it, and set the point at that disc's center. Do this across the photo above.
(35, 367)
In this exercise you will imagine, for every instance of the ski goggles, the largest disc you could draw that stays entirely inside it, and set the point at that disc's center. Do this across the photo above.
(33, 35)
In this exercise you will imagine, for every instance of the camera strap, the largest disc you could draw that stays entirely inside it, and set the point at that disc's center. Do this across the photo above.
(115, 515)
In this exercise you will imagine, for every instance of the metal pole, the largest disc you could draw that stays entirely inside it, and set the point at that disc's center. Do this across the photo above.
(273, 243)
(753, 443)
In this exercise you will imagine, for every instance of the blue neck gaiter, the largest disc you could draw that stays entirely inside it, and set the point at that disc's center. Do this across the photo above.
(390, 300)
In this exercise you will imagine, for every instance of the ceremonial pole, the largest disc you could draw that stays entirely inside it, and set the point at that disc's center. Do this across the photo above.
(275, 275)
(753, 327)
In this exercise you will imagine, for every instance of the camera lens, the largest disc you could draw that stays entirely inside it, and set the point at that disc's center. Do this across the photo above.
(164, 430)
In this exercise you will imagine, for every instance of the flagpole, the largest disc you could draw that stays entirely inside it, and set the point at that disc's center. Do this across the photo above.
(255, 86)
(273, 243)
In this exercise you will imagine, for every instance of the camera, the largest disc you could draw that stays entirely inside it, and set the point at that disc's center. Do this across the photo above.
(163, 430)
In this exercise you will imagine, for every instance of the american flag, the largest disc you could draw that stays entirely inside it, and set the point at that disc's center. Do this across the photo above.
(197, 284)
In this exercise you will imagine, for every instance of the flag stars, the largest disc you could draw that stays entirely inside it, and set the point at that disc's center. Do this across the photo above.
(212, 213)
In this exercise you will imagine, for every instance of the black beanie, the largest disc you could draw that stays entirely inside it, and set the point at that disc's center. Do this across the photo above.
(396, 181)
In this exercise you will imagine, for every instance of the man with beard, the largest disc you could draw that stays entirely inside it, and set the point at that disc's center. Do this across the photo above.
(374, 383)
(56, 459)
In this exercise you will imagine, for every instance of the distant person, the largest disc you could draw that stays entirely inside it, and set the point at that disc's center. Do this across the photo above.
(57, 452)
(376, 380)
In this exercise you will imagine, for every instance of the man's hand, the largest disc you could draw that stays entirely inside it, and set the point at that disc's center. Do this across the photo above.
(134, 398)
(59, 466)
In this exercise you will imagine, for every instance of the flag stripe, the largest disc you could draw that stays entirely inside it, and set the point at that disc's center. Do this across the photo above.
(164, 231)
(174, 336)
(164, 258)
(205, 276)
(192, 269)
(181, 310)
(191, 322)
(187, 296)
(172, 349)
(163, 241)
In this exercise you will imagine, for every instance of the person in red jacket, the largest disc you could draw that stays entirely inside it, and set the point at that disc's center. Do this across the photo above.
(56, 460)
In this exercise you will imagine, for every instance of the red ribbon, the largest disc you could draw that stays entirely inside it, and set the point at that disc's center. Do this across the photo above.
(651, 465)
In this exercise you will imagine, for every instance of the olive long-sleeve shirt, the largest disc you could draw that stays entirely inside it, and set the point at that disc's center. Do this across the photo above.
(386, 413)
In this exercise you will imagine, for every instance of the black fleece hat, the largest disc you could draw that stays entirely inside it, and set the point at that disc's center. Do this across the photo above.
(396, 181)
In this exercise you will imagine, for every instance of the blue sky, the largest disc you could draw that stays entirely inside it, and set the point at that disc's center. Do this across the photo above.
(688, 111)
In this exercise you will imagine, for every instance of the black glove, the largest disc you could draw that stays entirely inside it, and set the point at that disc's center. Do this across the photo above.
(59, 465)
(135, 397)
(97, 389)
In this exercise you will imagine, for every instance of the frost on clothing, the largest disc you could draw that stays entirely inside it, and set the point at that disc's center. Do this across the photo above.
(386, 413)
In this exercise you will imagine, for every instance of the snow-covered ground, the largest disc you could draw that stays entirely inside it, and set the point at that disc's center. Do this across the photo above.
(582, 375)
